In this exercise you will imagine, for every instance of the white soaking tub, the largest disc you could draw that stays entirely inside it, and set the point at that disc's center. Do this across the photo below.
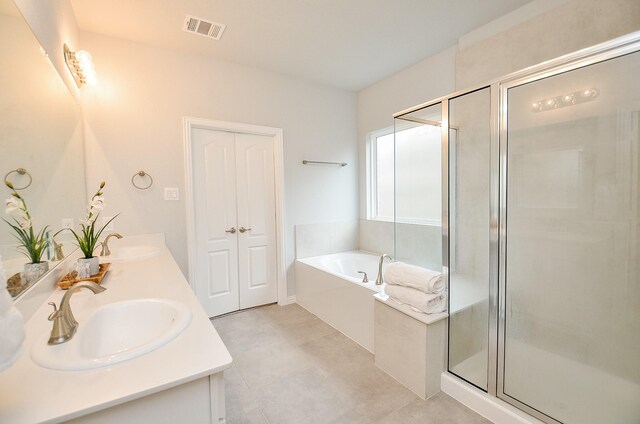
(330, 287)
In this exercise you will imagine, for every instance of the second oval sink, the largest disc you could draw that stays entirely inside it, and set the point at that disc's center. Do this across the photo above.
(115, 333)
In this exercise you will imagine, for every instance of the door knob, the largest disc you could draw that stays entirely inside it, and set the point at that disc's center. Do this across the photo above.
(231, 230)
(242, 229)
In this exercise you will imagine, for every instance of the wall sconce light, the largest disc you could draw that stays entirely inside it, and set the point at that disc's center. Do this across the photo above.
(81, 66)
(570, 99)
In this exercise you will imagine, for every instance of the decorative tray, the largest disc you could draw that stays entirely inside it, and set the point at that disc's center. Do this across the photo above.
(70, 279)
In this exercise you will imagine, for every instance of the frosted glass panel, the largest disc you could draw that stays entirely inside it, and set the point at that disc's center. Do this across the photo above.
(572, 334)
(418, 187)
(469, 182)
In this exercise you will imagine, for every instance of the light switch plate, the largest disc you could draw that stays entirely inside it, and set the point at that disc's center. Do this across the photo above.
(171, 194)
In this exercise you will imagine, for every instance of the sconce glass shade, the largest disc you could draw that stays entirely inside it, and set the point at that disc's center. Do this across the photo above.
(81, 66)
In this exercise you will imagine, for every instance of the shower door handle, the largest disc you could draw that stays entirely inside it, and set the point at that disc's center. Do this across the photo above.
(231, 230)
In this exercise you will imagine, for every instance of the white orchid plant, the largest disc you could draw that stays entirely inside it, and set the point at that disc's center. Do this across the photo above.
(32, 243)
(87, 237)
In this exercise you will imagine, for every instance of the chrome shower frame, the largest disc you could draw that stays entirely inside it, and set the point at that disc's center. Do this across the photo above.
(499, 89)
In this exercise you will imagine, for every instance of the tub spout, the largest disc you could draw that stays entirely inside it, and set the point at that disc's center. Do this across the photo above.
(379, 278)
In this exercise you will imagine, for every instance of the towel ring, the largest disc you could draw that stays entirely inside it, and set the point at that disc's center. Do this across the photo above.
(141, 174)
(19, 171)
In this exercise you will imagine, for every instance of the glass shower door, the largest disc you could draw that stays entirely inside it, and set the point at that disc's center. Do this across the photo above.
(571, 273)
(470, 168)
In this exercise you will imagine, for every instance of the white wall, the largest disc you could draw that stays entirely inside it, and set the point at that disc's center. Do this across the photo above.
(134, 122)
(540, 31)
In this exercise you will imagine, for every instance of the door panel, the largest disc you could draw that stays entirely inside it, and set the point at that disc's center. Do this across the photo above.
(219, 273)
(214, 184)
(256, 212)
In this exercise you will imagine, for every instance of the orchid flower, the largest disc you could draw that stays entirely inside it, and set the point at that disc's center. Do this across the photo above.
(13, 204)
(88, 235)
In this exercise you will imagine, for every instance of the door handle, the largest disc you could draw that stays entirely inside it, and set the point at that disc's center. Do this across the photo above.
(231, 230)
(242, 229)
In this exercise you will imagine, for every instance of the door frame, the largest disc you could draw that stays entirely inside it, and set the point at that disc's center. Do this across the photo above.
(190, 123)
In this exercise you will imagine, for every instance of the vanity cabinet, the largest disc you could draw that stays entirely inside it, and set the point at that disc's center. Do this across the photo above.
(197, 402)
(181, 381)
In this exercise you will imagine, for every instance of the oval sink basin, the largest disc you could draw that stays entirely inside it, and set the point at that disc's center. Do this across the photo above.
(115, 333)
(132, 253)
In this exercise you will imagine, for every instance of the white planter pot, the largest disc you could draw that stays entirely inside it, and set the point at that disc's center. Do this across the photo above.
(94, 264)
(33, 271)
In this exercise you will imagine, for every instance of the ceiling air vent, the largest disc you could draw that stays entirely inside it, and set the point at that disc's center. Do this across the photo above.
(205, 28)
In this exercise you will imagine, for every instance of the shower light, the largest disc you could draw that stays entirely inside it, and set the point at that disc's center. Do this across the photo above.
(570, 99)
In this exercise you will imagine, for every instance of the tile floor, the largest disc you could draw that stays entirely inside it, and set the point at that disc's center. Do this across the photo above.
(291, 367)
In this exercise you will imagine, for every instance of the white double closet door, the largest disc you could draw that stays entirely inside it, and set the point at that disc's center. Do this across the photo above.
(235, 228)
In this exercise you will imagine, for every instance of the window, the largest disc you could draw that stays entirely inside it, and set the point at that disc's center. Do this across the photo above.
(405, 175)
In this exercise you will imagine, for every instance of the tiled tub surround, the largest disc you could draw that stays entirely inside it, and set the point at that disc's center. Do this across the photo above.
(416, 244)
(330, 287)
(410, 346)
(180, 381)
(326, 238)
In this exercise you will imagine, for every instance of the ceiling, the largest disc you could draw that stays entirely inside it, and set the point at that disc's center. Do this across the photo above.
(348, 44)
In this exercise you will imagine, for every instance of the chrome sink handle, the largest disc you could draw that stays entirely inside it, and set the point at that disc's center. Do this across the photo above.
(365, 277)
(64, 323)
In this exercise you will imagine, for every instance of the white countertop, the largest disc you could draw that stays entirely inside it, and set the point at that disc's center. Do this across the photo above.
(32, 394)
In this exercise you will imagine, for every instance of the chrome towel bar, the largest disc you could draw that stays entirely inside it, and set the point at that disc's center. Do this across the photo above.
(306, 162)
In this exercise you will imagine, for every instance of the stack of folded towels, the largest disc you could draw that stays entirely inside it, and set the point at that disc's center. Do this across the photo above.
(420, 288)
(11, 326)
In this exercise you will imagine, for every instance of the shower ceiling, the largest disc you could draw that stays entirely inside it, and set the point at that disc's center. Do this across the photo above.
(346, 44)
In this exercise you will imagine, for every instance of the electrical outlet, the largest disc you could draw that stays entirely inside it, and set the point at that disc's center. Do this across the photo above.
(67, 223)
(109, 227)
(171, 194)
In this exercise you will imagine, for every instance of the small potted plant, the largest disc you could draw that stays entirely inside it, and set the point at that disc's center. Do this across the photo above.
(31, 243)
(87, 237)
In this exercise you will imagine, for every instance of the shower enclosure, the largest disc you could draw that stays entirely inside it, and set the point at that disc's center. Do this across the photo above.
(541, 234)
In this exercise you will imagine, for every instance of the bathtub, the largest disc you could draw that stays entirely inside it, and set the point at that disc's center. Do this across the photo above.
(330, 287)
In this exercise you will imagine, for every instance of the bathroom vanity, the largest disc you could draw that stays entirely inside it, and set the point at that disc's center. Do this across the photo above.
(180, 381)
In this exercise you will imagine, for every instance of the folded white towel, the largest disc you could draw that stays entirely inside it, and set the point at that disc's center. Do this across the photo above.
(11, 326)
(419, 301)
(402, 274)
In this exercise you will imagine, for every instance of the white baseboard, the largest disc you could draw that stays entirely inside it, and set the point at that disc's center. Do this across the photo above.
(291, 299)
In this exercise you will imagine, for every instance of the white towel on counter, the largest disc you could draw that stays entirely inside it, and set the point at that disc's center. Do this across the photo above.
(11, 326)
(402, 274)
(419, 301)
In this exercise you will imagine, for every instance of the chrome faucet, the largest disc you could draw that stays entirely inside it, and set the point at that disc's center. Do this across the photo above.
(64, 323)
(105, 244)
(365, 277)
(379, 278)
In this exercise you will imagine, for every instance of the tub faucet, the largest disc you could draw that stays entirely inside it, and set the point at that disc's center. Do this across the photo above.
(64, 323)
(365, 277)
(379, 278)
(105, 244)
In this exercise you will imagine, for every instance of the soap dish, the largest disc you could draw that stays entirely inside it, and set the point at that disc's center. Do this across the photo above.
(71, 278)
